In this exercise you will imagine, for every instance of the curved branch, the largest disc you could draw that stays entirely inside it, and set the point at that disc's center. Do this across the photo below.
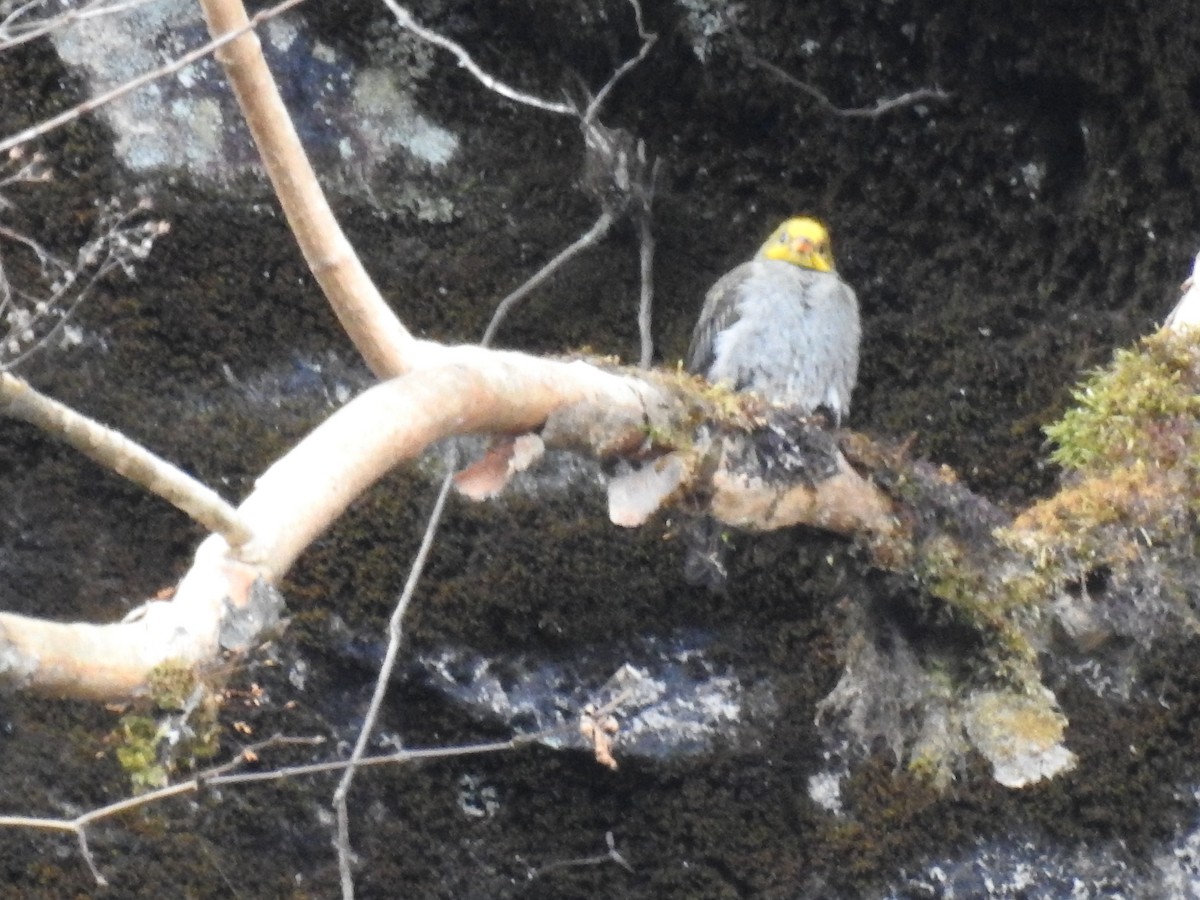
(459, 390)
(468, 390)
(379, 336)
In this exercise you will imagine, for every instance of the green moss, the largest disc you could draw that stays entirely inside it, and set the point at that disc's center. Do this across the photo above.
(1145, 405)
(985, 605)
(170, 684)
(151, 748)
(716, 403)
(1131, 446)
(138, 738)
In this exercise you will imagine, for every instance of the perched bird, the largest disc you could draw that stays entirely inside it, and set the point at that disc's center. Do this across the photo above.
(785, 326)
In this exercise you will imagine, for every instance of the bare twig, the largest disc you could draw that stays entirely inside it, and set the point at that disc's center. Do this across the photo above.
(14, 32)
(119, 454)
(616, 172)
(910, 98)
(646, 303)
(648, 40)
(406, 20)
(227, 775)
(590, 238)
(175, 65)
(79, 825)
(599, 859)
(416, 754)
(595, 234)
(395, 633)
(119, 244)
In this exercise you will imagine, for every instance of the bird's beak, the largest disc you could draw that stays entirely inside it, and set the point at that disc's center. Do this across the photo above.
(805, 249)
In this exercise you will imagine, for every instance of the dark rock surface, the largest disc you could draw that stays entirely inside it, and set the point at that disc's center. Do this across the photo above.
(1001, 242)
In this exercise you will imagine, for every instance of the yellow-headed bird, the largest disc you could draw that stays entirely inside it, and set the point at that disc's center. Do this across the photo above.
(783, 325)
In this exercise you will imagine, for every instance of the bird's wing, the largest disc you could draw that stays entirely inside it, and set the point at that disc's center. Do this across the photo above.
(721, 309)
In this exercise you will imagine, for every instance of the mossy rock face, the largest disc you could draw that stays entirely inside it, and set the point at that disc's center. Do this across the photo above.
(1001, 243)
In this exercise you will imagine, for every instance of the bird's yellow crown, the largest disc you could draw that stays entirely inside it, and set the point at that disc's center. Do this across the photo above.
(802, 242)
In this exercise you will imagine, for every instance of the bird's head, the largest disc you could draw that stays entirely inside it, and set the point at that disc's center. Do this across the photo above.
(802, 242)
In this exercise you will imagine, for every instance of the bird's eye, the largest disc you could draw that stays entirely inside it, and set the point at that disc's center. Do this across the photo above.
(783, 237)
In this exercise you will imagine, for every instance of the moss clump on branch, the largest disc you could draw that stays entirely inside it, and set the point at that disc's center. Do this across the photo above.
(986, 604)
(1131, 446)
(1123, 524)
(1142, 408)
(152, 748)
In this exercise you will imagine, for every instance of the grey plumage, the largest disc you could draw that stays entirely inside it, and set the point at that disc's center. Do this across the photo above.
(786, 332)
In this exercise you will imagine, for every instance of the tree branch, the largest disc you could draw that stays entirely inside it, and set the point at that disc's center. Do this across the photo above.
(406, 20)
(590, 238)
(384, 342)
(909, 98)
(119, 454)
(464, 390)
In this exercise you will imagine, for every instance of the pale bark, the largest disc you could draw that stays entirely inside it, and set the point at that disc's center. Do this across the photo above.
(473, 390)
(379, 336)
(441, 391)
(114, 451)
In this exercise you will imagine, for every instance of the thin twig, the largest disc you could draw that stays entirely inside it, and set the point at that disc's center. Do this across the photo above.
(395, 633)
(646, 303)
(175, 65)
(612, 856)
(592, 131)
(592, 236)
(119, 454)
(224, 775)
(406, 20)
(78, 825)
(120, 247)
(385, 759)
(53, 23)
(910, 98)
(648, 40)
(228, 774)
(8, 363)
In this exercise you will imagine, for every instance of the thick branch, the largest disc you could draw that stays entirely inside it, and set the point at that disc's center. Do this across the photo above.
(471, 390)
(463, 390)
(379, 336)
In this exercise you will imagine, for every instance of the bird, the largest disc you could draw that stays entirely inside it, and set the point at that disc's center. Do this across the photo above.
(785, 326)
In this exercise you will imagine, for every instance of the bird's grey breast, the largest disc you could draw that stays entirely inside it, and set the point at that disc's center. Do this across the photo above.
(788, 333)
